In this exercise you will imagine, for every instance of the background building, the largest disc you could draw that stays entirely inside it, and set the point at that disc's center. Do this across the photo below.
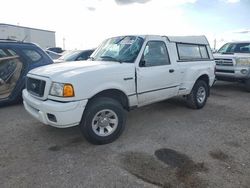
(43, 38)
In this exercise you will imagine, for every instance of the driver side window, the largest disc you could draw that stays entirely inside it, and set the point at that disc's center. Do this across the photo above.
(155, 54)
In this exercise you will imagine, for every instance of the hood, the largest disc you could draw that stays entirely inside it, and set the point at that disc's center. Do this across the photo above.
(58, 61)
(230, 56)
(69, 69)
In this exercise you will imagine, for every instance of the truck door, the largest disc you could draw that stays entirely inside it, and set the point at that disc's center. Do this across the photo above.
(157, 76)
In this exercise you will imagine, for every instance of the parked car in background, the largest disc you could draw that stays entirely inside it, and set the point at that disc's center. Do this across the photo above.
(75, 55)
(16, 60)
(233, 63)
(53, 55)
(122, 74)
(56, 49)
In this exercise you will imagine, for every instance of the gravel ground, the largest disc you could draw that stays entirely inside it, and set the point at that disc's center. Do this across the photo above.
(163, 145)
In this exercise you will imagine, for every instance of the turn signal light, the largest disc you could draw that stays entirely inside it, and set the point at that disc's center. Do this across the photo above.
(68, 90)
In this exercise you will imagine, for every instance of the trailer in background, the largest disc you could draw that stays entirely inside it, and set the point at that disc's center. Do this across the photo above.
(44, 38)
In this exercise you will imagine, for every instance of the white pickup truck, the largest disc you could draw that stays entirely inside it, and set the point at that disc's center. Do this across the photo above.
(123, 73)
(233, 63)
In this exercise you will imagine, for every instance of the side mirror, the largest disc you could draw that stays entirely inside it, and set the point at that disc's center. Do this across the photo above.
(142, 63)
(214, 51)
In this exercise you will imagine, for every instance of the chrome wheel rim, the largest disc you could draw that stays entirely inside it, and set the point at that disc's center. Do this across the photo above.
(105, 122)
(201, 95)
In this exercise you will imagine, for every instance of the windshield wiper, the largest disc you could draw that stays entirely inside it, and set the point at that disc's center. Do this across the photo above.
(120, 40)
(111, 58)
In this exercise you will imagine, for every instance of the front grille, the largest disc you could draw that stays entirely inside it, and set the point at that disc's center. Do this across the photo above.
(224, 62)
(225, 71)
(35, 86)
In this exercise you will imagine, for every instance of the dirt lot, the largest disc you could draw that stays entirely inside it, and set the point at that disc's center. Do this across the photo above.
(165, 145)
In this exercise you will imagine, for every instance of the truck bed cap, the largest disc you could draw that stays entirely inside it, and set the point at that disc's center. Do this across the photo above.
(189, 39)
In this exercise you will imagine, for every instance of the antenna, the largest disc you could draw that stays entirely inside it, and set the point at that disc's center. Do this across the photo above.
(25, 38)
(64, 43)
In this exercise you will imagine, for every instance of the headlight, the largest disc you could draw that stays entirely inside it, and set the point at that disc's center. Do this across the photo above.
(62, 90)
(244, 61)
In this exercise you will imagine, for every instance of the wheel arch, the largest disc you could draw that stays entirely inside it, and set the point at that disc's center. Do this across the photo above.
(116, 94)
(205, 78)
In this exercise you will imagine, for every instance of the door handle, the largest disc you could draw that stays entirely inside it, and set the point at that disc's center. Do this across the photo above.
(171, 70)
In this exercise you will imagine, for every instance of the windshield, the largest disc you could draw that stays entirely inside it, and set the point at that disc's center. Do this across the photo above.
(70, 56)
(235, 48)
(121, 49)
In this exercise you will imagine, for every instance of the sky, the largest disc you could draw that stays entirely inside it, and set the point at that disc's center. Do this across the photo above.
(86, 23)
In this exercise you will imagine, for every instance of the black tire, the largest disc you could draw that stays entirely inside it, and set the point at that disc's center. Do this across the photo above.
(192, 98)
(247, 85)
(92, 109)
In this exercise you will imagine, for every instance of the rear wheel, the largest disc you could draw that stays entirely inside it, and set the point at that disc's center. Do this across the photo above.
(103, 120)
(198, 96)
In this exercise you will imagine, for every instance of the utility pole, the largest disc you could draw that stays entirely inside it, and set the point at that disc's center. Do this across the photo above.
(64, 43)
(215, 44)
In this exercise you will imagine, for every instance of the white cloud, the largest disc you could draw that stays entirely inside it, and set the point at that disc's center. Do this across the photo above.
(164, 3)
(232, 1)
(242, 31)
(233, 35)
(85, 23)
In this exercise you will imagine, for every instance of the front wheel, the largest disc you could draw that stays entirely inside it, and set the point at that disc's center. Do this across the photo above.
(103, 121)
(198, 96)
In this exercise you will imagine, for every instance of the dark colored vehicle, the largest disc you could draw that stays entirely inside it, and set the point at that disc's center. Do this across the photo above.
(16, 60)
(56, 49)
(76, 55)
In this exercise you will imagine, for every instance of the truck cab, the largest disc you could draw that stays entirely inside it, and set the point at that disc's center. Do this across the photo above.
(233, 63)
(123, 73)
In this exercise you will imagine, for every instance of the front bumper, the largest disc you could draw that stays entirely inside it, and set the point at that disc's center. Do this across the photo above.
(236, 73)
(66, 114)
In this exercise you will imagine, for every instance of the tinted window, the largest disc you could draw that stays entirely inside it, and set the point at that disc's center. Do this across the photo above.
(83, 56)
(2, 53)
(11, 52)
(33, 55)
(90, 52)
(203, 51)
(235, 48)
(192, 52)
(6, 52)
(70, 56)
(155, 54)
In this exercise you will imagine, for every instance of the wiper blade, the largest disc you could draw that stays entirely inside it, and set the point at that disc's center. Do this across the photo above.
(111, 58)
(120, 40)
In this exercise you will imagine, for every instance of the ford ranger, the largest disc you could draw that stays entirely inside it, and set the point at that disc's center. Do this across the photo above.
(123, 73)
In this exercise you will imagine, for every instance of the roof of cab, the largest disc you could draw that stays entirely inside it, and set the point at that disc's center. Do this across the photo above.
(180, 39)
(10, 41)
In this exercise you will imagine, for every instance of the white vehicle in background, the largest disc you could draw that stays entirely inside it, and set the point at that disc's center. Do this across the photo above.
(75, 55)
(53, 55)
(123, 73)
(233, 63)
